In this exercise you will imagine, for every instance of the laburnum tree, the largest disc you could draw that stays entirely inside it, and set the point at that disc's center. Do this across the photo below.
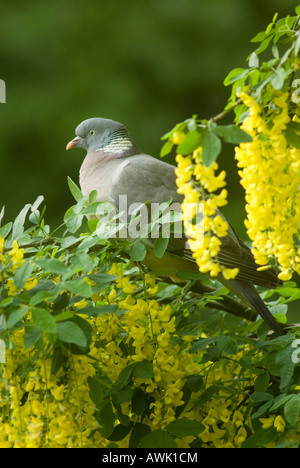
(96, 351)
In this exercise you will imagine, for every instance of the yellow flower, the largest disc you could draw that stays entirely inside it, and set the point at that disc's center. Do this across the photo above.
(30, 284)
(5, 444)
(267, 422)
(89, 281)
(240, 437)
(279, 424)
(58, 392)
(16, 255)
(123, 282)
(230, 273)
(285, 275)
(238, 418)
(81, 304)
(37, 408)
(270, 175)
(178, 137)
(203, 235)
(12, 290)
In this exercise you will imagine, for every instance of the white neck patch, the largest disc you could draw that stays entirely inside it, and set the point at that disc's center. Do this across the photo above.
(118, 146)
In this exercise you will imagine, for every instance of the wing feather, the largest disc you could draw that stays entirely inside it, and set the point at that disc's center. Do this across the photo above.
(145, 178)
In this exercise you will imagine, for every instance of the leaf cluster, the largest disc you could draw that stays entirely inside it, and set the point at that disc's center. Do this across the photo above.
(73, 267)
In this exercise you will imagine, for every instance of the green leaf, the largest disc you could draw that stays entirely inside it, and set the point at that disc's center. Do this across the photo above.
(37, 203)
(106, 419)
(96, 390)
(102, 280)
(86, 329)
(143, 370)
(260, 438)
(121, 396)
(65, 315)
(262, 382)
(292, 137)
(6, 302)
(78, 287)
(22, 275)
(264, 44)
(185, 427)
(74, 189)
(262, 409)
(202, 343)
(5, 230)
(46, 295)
(292, 409)
(232, 134)
(278, 78)
(15, 315)
(73, 220)
(18, 225)
(61, 301)
(123, 377)
(253, 60)
(138, 252)
(32, 335)
(120, 431)
(93, 208)
(158, 439)
(261, 396)
(139, 401)
(2, 214)
(43, 320)
(259, 36)
(211, 148)
(207, 395)
(279, 401)
(227, 344)
(58, 359)
(195, 382)
(286, 366)
(105, 309)
(69, 332)
(160, 246)
(52, 265)
(191, 141)
(166, 148)
(139, 430)
(235, 75)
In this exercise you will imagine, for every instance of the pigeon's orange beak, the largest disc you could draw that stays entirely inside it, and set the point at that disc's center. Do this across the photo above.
(74, 143)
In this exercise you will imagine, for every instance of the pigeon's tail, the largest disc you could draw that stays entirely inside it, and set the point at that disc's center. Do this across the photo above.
(247, 292)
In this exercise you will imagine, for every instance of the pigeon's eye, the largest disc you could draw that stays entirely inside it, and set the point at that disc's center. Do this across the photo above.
(92, 132)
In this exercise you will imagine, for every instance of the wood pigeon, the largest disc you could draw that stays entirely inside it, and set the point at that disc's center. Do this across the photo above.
(114, 167)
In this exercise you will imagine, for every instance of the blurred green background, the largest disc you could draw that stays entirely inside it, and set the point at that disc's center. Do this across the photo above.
(148, 64)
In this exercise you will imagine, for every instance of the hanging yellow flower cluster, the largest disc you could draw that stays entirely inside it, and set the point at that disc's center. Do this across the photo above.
(203, 225)
(271, 179)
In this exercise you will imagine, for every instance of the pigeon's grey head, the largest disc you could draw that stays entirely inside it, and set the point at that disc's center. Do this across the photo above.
(102, 134)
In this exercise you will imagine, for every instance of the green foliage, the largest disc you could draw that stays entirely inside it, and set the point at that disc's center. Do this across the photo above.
(57, 293)
(97, 352)
(281, 38)
(264, 74)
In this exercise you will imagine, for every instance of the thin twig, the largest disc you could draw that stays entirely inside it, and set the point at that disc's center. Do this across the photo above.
(225, 112)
